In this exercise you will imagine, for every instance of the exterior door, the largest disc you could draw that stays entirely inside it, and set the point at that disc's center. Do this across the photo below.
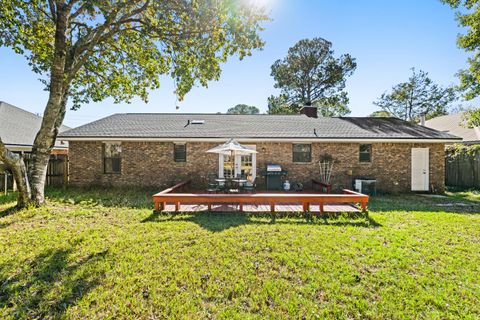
(241, 165)
(420, 165)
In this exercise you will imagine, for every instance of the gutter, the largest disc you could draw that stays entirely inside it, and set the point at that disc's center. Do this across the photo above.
(246, 139)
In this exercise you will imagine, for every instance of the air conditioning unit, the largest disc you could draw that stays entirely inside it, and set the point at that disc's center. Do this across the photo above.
(365, 186)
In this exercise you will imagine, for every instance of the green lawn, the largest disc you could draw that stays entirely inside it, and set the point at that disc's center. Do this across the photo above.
(103, 254)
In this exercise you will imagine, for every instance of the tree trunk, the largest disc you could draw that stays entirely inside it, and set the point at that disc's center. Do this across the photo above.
(15, 163)
(42, 148)
(53, 114)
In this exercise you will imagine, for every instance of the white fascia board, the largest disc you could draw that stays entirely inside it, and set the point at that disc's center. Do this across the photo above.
(243, 140)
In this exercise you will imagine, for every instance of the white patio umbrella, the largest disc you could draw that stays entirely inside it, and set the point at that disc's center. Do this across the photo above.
(231, 148)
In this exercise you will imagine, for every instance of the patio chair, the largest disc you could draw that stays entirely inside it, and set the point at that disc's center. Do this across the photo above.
(250, 186)
(213, 185)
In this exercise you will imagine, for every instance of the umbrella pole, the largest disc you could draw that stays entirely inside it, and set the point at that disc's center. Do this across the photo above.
(232, 160)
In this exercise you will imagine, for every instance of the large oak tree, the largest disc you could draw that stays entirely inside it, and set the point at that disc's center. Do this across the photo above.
(91, 50)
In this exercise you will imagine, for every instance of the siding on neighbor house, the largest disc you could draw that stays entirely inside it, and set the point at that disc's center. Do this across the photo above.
(152, 164)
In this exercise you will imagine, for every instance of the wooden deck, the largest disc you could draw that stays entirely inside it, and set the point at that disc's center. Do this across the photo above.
(176, 199)
(287, 207)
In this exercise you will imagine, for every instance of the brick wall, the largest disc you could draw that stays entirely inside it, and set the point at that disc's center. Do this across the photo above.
(152, 164)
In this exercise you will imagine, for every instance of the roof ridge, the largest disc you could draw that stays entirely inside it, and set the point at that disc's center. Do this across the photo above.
(203, 114)
(20, 109)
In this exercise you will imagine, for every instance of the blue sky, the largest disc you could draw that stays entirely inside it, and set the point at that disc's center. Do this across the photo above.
(386, 37)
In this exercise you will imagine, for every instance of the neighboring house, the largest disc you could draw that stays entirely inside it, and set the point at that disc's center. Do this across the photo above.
(158, 149)
(18, 129)
(452, 123)
(461, 169)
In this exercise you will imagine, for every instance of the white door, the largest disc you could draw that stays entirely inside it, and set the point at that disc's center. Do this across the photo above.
(420, 165)
(246, 165)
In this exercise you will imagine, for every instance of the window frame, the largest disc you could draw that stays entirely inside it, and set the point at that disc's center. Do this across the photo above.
(105, 158)
(369, 152)
(295, 160)
(175, 152)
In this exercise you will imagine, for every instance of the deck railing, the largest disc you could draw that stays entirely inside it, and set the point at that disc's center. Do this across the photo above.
(306, 199)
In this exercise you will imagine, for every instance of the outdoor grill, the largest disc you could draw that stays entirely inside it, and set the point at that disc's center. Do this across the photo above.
(274, 177)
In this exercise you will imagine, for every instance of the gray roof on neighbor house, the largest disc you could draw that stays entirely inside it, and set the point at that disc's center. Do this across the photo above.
(452, 123)
(19, 127)
(157, 125)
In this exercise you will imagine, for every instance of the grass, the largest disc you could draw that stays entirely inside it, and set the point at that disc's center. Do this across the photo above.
(473, 195)
(104, 254)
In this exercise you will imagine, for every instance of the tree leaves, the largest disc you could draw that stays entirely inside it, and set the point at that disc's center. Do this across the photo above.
(243, 109)
(119, 49)
(419, 95)
(469, 19)
(471, 118)
(311, 75)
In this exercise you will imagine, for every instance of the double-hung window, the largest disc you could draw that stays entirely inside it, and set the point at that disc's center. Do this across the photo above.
(180, 152)
(112, 157)
(302, 152)
(365, 154)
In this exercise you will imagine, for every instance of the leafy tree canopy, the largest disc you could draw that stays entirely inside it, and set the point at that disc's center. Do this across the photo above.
(119, 49)
(469, 18)
(311, 75)
(243, 109)
(380, 113)
(91, 50)
(472, 118)
(280, 105)
(419, 95)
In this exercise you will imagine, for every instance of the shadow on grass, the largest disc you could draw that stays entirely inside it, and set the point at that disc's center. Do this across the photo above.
(138, 198)
(9, 211)
(7, 198)
(48, 285)
(218, 221)
(425, 203)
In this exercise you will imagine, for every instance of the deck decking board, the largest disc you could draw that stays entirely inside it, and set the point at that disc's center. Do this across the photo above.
(284, 208)
(176, 199)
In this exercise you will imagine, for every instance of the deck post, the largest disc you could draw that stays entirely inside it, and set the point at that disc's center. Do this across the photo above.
(177, 206)
(306, 207)
(364, 206)
(272, 207)
(157, 206)
(241, 207)
(210, 207)
(321, 207)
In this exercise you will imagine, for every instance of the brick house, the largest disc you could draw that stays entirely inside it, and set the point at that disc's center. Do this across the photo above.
(159, 149)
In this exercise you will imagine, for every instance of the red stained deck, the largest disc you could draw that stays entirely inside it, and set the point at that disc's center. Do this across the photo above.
(279, 207)
(173, 199)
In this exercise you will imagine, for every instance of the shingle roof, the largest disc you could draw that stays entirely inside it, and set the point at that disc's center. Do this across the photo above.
(157, 125)
(451, 123)
(19, 127)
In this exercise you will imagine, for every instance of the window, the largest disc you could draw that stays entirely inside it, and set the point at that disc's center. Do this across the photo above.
(365, 153)
(180, 152)
(112, 158)
(302, 153)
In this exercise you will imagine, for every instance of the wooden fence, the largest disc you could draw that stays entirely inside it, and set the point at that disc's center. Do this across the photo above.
(57, 173)
(463, 171)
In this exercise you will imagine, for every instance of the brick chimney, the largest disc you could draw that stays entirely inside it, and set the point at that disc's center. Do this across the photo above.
(310, 111)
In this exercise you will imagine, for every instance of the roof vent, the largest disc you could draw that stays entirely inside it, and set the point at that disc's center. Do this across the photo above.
(197, 121)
